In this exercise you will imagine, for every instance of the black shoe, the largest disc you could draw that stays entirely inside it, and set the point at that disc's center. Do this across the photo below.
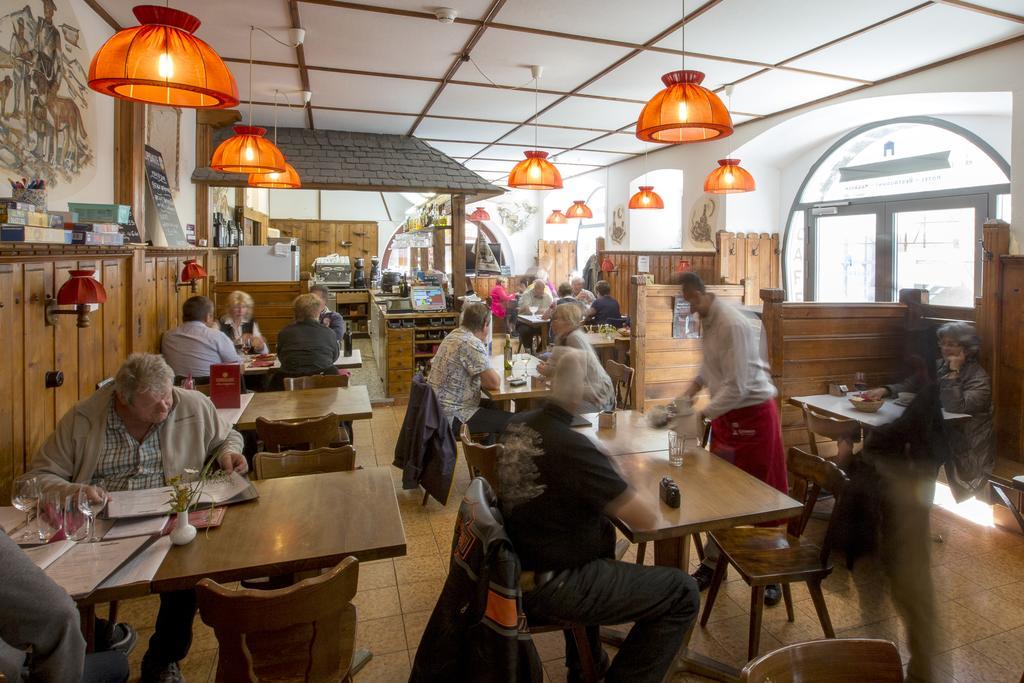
(772, 594)
(703, 577)
(120, 637)
(156, 673)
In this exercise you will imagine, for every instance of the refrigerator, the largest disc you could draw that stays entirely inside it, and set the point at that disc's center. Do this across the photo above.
(269, 263)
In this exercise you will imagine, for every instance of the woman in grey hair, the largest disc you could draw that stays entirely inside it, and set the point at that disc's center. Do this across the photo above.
(964, 387)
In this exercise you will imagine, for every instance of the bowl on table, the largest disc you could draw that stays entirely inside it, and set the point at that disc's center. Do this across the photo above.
(865, 405)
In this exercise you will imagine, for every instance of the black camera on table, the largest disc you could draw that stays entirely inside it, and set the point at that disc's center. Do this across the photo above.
(669, 492)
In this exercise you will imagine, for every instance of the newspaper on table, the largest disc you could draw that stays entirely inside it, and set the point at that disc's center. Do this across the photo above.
(232, 488)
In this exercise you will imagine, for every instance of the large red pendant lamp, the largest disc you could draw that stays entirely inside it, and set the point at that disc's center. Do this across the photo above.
(729, 178)
(579, 209)
(684, 111)
(161, 62)
(286, 180)
(557, 218)
(479, 214)
(535, 172)
(646, 198)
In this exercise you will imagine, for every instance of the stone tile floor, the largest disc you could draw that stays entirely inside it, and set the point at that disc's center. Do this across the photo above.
(978, 574)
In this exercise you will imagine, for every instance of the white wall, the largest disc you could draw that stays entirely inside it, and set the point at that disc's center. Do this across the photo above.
(298, 204)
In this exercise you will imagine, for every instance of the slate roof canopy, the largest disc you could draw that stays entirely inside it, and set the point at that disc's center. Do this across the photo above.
(343, 160)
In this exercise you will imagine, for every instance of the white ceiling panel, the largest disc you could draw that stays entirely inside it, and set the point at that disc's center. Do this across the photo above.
(505, 56)
(366, 92)
(265, 80)
(640, 77)
(487, 103)
(496, 166)
(468, 9)
(556, 137)
(492, 176)
(1015, 7)
(776, 90)
(580, 156)
(615, 20)
(456, 149)
(920, 38)
(620, 142)
(264, 116)
(325, 119)
(581, 111)
(223, 28)
(770, 32)
(511, 153)
(465, 131)
(740, 118)
(382, 43)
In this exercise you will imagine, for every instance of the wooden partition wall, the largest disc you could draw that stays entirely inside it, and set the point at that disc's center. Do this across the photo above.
(751, 259)
(355, 239)
(664, 366)
(663, 266)
(557, 258)
(1008, 361)
(272, 302)
(141, 303)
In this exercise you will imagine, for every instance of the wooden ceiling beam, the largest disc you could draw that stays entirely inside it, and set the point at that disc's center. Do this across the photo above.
(999, 14)
(103, 14)
(300, 56)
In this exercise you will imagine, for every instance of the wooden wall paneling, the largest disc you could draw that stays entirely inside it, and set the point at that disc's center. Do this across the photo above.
(38, 402)
(994, 244)
(320, 238)
(1009, 391)
(66, 337)
(272, 302)
(638, 345)
(115, 332)
(458, 273)
(764, 257)
(775, 269)
(12, 424)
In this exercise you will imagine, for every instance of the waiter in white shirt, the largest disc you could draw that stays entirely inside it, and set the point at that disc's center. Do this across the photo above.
(745, 427)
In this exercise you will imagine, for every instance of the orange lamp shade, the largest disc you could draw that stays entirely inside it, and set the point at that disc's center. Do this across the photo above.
(192, 271)
(684, 111)
(607, 266)
(247, 151)
(479, 214)
(161, 62)
(287, 180)
(82, 288)
(579, 209)
(646, 198)
(728, 178)
(557, 218)
(535, 172)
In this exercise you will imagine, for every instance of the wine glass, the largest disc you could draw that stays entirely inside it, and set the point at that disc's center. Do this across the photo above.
(533, 309)
(76, 520)
(91, 508)
(25, 497)
(50, 520)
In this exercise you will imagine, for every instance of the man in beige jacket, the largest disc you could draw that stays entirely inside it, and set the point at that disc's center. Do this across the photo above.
(136, 434)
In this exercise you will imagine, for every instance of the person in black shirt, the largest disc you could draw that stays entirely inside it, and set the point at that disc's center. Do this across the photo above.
(604, 308)
(305, 347)
(556, 490)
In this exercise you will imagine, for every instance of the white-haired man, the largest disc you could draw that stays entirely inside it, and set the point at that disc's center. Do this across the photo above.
(137, 433)
(581, 294)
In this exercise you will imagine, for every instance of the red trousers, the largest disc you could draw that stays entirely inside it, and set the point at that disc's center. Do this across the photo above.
(751, 439)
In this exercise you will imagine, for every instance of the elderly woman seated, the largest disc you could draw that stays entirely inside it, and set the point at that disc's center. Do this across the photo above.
(238, 324)
(597, 391)
(964, 387)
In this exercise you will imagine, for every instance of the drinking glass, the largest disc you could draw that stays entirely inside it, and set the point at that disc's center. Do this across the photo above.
(91, 508)
(675, 449)
(25, 497)
(533, 309)
(50, 520)
(76, 520)
(860, 382)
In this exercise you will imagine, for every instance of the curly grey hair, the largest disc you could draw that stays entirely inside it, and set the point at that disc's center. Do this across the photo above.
(963, 334)
(142, 372)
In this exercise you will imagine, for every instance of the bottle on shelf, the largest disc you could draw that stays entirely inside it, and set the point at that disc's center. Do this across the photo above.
(508, 356)
(347, 339)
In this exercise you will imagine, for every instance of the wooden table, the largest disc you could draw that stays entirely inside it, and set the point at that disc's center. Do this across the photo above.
(353, 361)
(536, 386)
(349, 403)
(715, 495)
(632, 434)
(839, 406)
(539, 322)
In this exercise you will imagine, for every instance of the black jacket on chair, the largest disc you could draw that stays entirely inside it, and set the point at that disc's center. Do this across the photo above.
(425, 451)
(475, 632)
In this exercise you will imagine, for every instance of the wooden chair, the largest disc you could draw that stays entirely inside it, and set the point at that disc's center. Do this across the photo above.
(303, 632)
(481, 460)
(622, 382)
(315, 382)
(316, 461)
(317, 432)
(845, 660)
(765, 556)
(826, 426)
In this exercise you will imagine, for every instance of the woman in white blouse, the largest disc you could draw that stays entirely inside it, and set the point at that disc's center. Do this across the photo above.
(238, 324)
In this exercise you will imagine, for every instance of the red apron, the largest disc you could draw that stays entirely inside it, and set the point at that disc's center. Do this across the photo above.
(751, 439)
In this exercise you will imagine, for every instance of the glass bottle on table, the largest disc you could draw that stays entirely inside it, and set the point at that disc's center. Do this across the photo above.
(508, 356)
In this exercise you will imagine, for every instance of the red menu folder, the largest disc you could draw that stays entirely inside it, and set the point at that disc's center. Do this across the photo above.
(226, 385)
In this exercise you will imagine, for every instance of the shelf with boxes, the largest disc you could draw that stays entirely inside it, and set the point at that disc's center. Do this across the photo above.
(354, 308)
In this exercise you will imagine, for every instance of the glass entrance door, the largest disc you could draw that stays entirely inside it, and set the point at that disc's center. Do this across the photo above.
(844, 253)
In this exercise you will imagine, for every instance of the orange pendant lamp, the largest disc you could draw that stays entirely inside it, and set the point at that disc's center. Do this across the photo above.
(479, 214)
(557, 218)
(535, 172)
(247, 151)
(161, 62)
(729, 178)
(285, 180)
(646, 198)
(579, 209)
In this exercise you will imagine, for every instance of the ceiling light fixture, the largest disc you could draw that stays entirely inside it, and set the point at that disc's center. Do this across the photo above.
(479, 214)
(247, 151)
(557, 218)
(535, 172)
(579, 209)
(646, 198)
(161, 62)
(684, 111)
(729, 177)
(284, 180)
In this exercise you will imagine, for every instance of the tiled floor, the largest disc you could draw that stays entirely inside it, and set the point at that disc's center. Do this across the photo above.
(978, 574)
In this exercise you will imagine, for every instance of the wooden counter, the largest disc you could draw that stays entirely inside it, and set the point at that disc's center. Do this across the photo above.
(354, 306)
(404, 341)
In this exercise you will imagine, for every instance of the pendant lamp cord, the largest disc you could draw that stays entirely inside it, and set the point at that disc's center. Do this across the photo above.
(252, 30)
(536, 110)
(276, 93)
(682, 36)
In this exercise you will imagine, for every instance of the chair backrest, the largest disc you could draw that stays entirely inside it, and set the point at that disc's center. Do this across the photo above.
(303, 632)
(317, 432)
(316, 461)
(811, 474)
(826, 426)
(482, 460)
(838, 660)
(622, 382)
(315, 382)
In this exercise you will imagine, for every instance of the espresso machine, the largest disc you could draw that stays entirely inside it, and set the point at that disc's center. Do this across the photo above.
(359, 274)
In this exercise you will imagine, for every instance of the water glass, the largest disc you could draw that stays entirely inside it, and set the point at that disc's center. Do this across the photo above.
(675, 449)
(76, 522)
(50, 521)
(25, 497)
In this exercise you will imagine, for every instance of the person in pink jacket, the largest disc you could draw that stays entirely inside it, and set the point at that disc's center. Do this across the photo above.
(500, 297)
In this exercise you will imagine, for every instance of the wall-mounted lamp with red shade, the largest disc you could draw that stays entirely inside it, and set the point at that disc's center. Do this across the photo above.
(189, 274)
(607, 266)
(81, 290)
(683, 266)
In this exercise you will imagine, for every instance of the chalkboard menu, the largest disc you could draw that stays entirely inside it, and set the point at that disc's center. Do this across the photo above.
(160, 191)
(130, 230)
